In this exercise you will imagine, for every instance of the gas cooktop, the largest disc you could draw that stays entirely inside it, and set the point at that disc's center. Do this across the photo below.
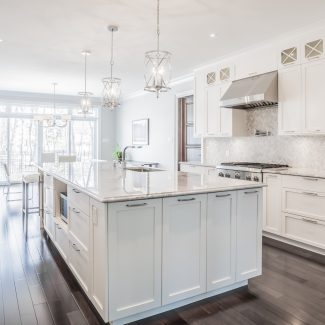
(253, 165)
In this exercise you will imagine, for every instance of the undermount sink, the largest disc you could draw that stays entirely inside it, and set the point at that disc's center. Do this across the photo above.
(144, 169)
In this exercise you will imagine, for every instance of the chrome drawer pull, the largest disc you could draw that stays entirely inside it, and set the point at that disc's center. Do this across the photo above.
(310, 193)
(310, 179)
(224, 195)
(251, 192)
(75, 190)
(75, 210)
(310, 221)
(186, 200)
(136, 205)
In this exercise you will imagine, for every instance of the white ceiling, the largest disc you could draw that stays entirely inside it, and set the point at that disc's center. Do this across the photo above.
(43, 38)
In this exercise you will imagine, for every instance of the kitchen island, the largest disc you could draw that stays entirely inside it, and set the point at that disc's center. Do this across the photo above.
(144, 242)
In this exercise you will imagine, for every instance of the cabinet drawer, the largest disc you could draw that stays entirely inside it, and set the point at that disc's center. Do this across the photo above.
(304, 183)
(48, 180)
(62, 240)
(49, 224)
(80, 199)
(79, 226)
(309, 204)
(79, 264)
(307, 230)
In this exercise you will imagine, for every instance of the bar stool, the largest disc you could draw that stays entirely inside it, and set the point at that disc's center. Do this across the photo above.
(29, 179)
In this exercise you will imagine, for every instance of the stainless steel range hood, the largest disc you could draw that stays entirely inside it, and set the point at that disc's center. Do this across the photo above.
(257, 91)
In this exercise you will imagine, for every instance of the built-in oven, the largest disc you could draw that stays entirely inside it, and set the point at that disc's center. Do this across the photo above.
(64, 207)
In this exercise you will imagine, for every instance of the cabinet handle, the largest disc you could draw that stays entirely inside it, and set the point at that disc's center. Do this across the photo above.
(252, 192)
(224, 195)
(310, 193)
(75, 210)
(75, 190)
(310, 179)
(136, 205)
(309, 220)
(186, 200)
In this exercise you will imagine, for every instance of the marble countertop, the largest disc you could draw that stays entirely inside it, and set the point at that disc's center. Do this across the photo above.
(298, 172)
(106, 183)
(196, 163)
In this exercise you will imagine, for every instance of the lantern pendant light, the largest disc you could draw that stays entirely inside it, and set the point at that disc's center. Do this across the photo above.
(85, 101)
(157, 66)
(112, 86)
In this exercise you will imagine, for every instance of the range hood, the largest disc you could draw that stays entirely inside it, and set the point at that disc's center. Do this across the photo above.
(257, 91)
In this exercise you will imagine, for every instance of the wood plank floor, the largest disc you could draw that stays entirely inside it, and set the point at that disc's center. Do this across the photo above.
(37, 288)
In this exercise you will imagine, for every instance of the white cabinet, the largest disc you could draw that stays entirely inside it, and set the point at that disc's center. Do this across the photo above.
(290, 101)
(256, 62)
(134, 246)
(62, 239)
(312, 45)
(221, 240)
(49, 224)
(79, 226)
(249, 234)
(314, 96)
(99, 257)
(200, 109)
(184, 247)
(272, 203)
(213, 110)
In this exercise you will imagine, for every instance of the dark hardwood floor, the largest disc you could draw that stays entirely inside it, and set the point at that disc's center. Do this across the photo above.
(37, 288)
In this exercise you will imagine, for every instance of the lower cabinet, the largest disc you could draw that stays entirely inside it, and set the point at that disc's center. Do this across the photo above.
(249, 234)
(62, 240)
(221, 240)
(134, 250)
(184, 247)
(49, 224)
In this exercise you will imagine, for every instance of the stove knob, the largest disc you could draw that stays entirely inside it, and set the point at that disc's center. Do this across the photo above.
(248, 178)
(221, 174)
(237, 176)
(256, 179)
(227, 175)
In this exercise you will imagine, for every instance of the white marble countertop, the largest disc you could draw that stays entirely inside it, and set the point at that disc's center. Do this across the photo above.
(105, 183)
(298, 172)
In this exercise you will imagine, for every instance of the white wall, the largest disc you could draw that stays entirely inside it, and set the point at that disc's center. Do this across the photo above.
(162, 120)
(106, 134)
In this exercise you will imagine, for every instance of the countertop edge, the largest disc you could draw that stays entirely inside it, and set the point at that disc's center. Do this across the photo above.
(294, 172)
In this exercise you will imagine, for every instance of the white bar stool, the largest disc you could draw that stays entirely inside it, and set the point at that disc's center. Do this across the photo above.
(29, 179)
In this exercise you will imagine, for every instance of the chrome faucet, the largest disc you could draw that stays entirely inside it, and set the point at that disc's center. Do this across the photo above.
(123, 164)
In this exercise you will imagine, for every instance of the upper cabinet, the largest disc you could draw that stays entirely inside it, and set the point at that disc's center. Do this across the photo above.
(211, 120)
(256, 62)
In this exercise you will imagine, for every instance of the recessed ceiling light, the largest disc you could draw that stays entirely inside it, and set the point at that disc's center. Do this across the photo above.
(212, 35)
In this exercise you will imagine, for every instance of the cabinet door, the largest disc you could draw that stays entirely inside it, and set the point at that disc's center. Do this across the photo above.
(272, 202)
(290, 100)
(98, 257)
(221, 240)
(49, 224)
(225, 115)
(134, 257)
(48, 199)
(213, 110)
(184, 247)
(249, 234)
(62, 240)
(314, 96)
(200, 105)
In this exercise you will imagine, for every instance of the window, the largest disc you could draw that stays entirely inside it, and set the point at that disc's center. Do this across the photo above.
(23, 139)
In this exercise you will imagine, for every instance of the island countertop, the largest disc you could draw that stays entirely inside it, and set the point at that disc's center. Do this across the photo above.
(106, 183)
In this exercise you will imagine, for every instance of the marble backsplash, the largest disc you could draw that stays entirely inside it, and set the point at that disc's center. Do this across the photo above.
(295, 151)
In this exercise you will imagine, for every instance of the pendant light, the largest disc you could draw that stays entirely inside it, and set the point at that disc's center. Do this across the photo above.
(112, 86)
(157, 66)
(85, 102)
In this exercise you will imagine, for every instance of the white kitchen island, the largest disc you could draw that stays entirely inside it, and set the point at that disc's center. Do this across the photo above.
(141, 243)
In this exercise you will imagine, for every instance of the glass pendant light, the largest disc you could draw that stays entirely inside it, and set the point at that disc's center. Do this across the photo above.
(157, 66)
(85, 101)
(112, 86)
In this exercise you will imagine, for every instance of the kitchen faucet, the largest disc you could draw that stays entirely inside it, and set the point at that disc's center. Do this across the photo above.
(123, 164)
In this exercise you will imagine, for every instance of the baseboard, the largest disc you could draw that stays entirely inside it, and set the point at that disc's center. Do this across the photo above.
(293, 248)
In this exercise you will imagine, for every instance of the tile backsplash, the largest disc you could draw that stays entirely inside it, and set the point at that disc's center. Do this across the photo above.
(296, 151)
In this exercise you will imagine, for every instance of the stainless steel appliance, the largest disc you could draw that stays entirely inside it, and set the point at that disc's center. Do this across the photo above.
(257, 91)
(64, 207)
(245, 170)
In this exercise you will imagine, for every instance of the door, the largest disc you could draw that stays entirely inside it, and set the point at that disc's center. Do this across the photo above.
(314, 96)
(221, 240)
(184, 247)
(134, 231)
(249, 234)
(290, 100)
(272, 218)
